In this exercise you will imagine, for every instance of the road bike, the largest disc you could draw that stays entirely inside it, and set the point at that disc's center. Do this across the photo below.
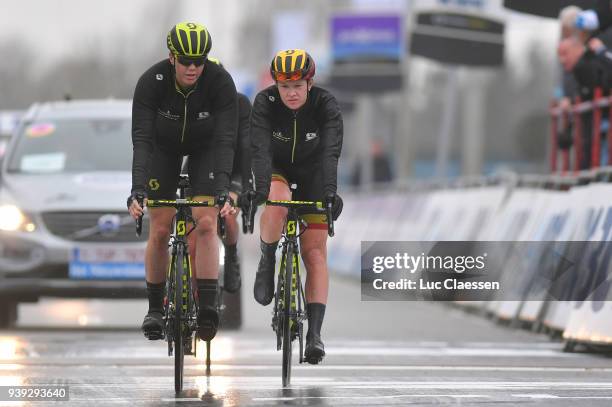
(289, 312)
(180, 305)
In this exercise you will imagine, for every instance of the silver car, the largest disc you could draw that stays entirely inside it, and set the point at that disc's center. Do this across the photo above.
(64, 227)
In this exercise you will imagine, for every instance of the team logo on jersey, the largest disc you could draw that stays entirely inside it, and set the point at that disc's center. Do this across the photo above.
(203, 115)
(159, 77)
(311, 136)
(271, 98)
(279, 135)
(154, 184)
(211, 175)
(168, 114)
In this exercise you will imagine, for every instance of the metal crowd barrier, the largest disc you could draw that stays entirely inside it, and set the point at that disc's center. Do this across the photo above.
(571, 158)
(557, 208)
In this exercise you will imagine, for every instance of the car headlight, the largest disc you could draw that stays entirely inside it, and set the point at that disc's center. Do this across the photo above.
(13, 219)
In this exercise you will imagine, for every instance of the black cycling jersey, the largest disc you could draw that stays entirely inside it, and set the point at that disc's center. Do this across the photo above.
(292, 141)
(184, 122)
(603, 8)
(241, 171)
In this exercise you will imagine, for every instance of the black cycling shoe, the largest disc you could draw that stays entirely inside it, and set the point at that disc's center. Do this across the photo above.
(315, 351)
(208, 322)
(153, 325)
(231, 273)
(263, 290)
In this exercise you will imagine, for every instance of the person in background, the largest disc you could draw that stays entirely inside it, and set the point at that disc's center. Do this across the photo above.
(587, 59)
(241, 179)
(599, 18)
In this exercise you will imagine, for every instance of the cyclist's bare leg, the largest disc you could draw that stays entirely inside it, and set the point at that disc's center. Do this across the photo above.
(313, 246)
(156, 255)
(207, 245)
(207, 269)
(156, 266)
(273, 217)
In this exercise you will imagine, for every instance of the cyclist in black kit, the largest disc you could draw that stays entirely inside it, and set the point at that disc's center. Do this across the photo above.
(183, 105)
(241, 178)
(296, 136)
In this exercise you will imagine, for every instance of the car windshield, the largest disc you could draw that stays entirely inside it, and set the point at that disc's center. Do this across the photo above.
(73, 145)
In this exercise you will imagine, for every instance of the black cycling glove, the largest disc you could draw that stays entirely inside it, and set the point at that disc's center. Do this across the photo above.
(139, 196)
(337, 204)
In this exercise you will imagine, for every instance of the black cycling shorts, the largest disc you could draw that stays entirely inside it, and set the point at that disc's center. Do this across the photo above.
(309, 187)
(236, 184)
(165, 170)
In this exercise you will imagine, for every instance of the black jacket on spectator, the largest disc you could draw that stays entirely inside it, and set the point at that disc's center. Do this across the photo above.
(604, 13)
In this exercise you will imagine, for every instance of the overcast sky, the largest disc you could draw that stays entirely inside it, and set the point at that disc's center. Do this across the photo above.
(56, 28)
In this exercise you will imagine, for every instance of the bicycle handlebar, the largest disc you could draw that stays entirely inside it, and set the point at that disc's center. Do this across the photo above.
(317, 206)
(181, 203)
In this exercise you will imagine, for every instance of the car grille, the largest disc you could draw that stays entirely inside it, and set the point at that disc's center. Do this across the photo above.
(70, 225)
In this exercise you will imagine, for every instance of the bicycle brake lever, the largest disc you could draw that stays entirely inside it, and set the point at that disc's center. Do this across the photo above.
(330, 221)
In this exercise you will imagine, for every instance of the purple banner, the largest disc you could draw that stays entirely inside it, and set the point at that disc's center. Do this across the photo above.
(367, 38)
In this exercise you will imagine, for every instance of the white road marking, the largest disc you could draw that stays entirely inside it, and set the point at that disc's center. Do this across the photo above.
(552, 396)
(320, 367)
(458, 396)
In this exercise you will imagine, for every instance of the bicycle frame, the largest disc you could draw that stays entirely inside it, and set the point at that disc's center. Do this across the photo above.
(288, 312)
(180, 307)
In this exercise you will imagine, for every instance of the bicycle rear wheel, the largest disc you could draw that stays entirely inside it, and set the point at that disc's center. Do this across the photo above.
(286, 326)
(179, 348)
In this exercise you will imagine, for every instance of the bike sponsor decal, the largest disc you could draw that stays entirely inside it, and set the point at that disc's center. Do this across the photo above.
(291, 228)
(181, 228)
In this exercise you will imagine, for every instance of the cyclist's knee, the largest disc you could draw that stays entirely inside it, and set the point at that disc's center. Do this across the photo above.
(314, 256)
(206, 224)
(276, 212)
(279, 191)
(159, 234)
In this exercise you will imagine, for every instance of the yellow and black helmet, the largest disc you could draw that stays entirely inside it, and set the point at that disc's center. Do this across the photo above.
(292, 65)
(189, 39)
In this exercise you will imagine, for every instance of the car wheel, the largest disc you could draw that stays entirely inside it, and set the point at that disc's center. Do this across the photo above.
(8, 313)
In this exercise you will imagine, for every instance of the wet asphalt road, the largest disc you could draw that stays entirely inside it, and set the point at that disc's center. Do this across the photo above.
(379, 354)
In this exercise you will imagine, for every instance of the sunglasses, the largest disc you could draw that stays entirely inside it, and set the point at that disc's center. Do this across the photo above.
(290, 76)
(187, 61)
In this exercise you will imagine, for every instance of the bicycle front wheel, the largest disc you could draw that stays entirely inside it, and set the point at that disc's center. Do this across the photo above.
(287, 290)
(179, 340)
